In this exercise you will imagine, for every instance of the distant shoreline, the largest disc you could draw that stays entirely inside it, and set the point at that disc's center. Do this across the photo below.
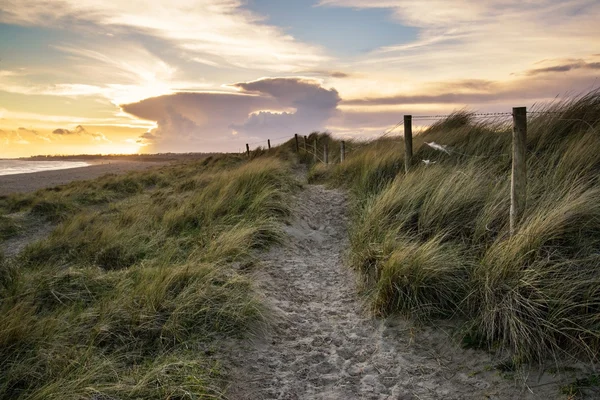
(30, 182)
(158, 157)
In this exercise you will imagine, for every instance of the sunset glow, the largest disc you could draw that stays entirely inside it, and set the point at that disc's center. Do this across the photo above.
(91, 76)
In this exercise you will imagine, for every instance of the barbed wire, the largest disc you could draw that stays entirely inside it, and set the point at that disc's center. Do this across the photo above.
(479, 115)
(354, 146)
(265, 140)
(390, 130)
(545, 112)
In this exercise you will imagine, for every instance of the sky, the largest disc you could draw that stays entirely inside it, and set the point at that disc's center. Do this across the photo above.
(155, 76)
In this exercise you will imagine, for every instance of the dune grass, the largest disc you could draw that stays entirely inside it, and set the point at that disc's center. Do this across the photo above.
(434, 242)
(131, 294)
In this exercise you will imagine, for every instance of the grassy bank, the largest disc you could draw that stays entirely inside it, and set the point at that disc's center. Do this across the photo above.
(131, 293)
(434, 243)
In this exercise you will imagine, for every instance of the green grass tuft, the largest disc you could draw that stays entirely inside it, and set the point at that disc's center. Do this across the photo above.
(434, 242)
(134, 287)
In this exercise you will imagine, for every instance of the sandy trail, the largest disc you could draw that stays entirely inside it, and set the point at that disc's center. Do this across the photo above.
(325, 346)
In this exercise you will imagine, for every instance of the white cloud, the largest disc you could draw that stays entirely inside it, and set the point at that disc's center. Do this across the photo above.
(204, 29)
(485, 39)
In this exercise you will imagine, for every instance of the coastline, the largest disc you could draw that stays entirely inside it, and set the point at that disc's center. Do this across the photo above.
(32, 181)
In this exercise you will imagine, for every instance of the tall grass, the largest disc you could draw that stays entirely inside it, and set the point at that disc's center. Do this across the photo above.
(434, 242)
(131, 294)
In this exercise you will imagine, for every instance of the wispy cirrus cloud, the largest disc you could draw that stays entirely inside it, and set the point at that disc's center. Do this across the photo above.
(215, 31)
(486, 39)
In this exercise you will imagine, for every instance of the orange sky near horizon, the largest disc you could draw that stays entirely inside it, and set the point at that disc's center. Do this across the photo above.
(101, 77)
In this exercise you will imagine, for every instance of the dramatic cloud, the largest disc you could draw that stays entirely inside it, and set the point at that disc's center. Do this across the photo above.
(75, 62)
(224, 121)
(313, 106)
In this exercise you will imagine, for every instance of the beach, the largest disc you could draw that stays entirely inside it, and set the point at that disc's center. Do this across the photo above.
(30, 182)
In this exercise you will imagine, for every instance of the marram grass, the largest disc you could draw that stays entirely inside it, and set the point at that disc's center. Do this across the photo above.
(130, 294)
(434, 242)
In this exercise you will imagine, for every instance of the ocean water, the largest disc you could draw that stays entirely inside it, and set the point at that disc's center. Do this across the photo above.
(10, 167)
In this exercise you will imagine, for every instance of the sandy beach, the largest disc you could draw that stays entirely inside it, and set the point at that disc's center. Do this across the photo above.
(22, 183)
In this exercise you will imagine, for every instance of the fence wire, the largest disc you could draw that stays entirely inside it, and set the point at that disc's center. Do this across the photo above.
(355, 146)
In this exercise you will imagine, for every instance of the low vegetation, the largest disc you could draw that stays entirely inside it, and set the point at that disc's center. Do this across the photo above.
(434, 243)
(130, 295)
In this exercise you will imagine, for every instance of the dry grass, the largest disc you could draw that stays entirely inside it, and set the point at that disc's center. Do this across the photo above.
(132, 292)
(435, 243)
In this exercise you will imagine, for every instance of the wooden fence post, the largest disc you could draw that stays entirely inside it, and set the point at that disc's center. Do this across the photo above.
(297, 145)
(518, 184)
(342, 151)
(315, 150)
(325, 153)
(305, 144)
(408, 150)
(269, 143)
(247, 150)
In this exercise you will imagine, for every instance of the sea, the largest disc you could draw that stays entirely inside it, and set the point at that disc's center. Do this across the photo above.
(11, 167)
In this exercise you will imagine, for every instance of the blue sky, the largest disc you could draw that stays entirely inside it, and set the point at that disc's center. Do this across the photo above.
(211, 75)
(343, 31)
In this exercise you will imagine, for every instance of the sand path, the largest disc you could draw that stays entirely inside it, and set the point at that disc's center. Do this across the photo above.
(323, 345)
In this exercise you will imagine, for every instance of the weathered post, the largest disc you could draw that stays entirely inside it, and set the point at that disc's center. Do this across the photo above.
(325, 153)
(315, 150)
(297, 145)
(269, 143)
(342, 151)
(408, 151)
(518, 184)
(247, 150)
(305, 144)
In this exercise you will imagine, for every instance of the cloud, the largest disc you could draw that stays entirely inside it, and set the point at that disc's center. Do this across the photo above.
(313, 105)
(32, 132)
(21, 129)
(21, 137)
(530, 85)
(100, 137)
(217, 121)
(79, 130)
(338, 74)
(485, 39)
(148, 135)
(330, 74)
(578, 64)
(214, 32)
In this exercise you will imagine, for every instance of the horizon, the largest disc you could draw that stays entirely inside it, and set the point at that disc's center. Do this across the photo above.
(207, 76)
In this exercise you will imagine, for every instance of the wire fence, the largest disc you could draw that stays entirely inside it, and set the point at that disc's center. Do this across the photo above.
(502, 117)
(519, 118)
